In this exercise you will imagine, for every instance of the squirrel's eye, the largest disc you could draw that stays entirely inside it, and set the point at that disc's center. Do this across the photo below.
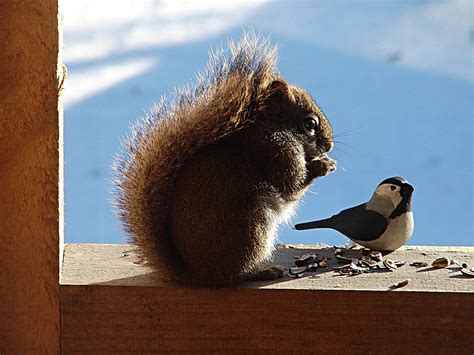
(311, 123)
(392, 187)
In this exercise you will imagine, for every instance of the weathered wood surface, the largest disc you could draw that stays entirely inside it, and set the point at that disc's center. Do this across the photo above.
(111, 304)
(116, 264)
(30, 211)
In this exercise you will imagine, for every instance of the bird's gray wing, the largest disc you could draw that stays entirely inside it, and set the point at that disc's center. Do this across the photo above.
(359, 223)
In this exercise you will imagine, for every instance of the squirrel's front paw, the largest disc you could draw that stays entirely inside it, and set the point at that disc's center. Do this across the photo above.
(267, 272)
(321, 166)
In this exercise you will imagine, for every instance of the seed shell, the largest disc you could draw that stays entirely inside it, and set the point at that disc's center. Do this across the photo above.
(343, 259)
(358, 268)
(376, 255)
(390, 264)
(419, 264)
(298, 270)
(441, 263)
(296, 276)
(468, 272)
(305, 259)
(401, 283)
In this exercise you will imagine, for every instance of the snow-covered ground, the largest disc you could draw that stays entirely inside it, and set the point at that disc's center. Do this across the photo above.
(394, 78)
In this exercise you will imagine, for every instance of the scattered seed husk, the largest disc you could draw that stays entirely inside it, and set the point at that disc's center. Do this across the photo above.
(376, 255)
(296, 276)
(358, 269)
(298, 270)
(441, 263)
(419, 264)
(312, 267)
(401, 284)
(346, 270)
(458, 264)
(468, 272)
(305, 259)
(342, 259)
(369, 263)
(345, 266)
(323, 264)
(400, 263)
(390, 264)
(337, 251)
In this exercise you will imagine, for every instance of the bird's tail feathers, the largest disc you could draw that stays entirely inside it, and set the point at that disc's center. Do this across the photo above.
(312, 225)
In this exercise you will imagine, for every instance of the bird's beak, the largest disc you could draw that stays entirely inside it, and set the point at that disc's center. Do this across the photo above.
(407, 189)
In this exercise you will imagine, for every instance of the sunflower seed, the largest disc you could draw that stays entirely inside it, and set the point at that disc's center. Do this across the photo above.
(401, 284)
(298, 270)
(368, 262)
(305, 259)
(345, 270)
(419, 264)
(441, 263)
(400, 263)
(357, 268)
(296, 276)
(390, 264)
(343, 259)
(468, 272)
(323, 264)
(339, 267)
(458, 264)
(376, 255)
(366, 251)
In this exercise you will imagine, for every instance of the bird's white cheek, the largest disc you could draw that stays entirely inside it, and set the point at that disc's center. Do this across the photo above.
(396, 199)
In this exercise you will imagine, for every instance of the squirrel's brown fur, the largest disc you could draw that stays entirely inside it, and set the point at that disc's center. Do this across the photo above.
(205, 181)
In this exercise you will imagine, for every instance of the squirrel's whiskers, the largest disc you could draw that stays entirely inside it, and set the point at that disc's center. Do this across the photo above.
(206, 178)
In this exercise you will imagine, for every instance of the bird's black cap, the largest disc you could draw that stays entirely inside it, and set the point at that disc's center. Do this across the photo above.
(406, 189)
(396, 180)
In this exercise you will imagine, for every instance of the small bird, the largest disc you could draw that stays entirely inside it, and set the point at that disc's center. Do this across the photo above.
(384, 223)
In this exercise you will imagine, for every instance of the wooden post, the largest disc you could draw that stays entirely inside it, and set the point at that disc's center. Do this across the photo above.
(30, 169)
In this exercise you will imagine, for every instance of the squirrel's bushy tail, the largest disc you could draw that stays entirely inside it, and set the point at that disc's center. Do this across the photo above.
(219, 103)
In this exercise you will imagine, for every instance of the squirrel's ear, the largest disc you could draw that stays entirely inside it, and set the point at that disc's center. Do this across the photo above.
(279, 87)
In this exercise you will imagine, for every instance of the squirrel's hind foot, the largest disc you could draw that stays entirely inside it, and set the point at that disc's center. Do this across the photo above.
(267, 272)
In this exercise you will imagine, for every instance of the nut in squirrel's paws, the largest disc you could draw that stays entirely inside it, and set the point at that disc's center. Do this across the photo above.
(322, 165)
(268, 272)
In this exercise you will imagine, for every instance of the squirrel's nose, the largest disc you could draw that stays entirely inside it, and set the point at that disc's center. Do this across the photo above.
(329, 146)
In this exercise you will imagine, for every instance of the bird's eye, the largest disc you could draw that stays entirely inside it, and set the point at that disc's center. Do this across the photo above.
(311, 123)
(392, 187)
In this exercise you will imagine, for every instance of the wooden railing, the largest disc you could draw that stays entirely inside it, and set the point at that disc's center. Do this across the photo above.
(106, 303)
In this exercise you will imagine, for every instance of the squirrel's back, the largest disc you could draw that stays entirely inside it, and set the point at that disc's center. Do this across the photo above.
(194, 188)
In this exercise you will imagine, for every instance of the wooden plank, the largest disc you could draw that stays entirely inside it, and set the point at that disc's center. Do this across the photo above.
(107, 264)
(105, 319)
(29, 177)
(111, 304)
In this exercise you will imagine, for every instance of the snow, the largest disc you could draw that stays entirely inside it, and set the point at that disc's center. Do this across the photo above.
(394, 78)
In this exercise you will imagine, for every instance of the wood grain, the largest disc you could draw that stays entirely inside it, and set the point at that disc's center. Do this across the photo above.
(118, 265)
(98, 319)
(29, 177)
(110, 303)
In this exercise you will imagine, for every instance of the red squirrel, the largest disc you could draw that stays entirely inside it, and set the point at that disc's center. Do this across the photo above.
(206, 178)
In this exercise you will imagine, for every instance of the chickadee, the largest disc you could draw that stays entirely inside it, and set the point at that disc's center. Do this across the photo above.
(384, 223)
